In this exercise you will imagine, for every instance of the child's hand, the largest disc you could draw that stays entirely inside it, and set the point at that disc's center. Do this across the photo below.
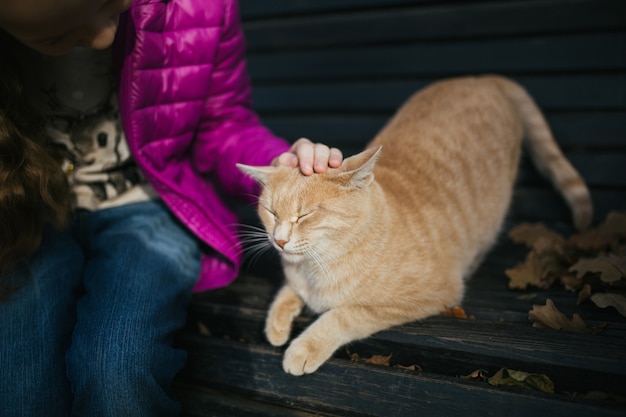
(310, 157)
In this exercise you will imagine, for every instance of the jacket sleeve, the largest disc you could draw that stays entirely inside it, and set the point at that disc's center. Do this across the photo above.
(230, 131)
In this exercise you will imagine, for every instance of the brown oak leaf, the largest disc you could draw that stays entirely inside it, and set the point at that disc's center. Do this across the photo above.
(571, 282)
(584, 294)
(415, 368)
(593, 240)
(535, 235)
(456, 312)
(549, 316)
(606, 235)
(478, 375)
(611, 268)
(607, 299)
(530, 272)
(374, 359)
(615, 222)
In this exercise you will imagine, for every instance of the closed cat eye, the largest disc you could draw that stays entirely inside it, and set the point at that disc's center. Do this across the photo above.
(303, 216)
(269, 211)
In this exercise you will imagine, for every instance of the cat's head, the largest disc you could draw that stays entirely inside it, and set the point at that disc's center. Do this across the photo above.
(309, 216)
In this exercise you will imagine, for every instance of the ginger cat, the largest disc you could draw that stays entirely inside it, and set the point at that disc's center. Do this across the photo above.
(390, 236)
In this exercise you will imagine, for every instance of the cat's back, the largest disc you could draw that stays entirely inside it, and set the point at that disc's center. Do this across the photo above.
(454, 133)
(448, 163)
(454, 117)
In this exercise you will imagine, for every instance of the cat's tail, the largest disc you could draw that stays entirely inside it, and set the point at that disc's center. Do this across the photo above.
(547, 155)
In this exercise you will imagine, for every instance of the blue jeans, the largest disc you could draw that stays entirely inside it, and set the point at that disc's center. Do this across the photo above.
(90, 332)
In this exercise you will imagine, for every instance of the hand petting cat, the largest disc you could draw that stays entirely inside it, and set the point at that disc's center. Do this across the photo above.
(310, 157)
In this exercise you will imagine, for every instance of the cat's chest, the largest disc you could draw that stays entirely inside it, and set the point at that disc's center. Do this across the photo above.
(318, 289)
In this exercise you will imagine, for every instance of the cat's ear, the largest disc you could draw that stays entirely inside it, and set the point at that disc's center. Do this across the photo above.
(358, 170)
(258, 173)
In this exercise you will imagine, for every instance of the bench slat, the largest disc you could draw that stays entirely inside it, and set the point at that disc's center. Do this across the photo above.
(470, 19)
(204, 402)
(591, 130)
(511, 55)
(349, 387)
(593, 92)
(251, 9)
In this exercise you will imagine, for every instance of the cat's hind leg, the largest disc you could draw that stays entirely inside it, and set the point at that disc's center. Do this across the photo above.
(284, 309)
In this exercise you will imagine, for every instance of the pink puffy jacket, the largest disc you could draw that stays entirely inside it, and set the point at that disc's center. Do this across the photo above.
(185, 103)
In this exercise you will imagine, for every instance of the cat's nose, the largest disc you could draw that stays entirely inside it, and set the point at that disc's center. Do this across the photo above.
(281, 243)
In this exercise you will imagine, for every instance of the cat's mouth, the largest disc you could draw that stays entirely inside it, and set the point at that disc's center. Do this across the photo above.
(290, 254)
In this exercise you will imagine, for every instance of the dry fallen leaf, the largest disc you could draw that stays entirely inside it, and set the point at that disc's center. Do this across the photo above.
(607, 299)
(416, 368)
(593, 240)
(584, 294)
(616, 222)
(374, 360)
(528, 273)
(535, 235)
(478, 374)
(203, 330)
(544, 263)
(514, 378)
(587, 263)
(456, 312)
(606, 235)
(549, 316)
(611, 268)
(603, 396)
(571, 282)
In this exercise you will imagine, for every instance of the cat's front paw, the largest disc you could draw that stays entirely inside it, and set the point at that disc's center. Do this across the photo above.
(277, 331)
(305, 357)
(285, 308)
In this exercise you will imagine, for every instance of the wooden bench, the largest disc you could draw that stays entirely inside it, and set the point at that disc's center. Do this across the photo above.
(334, 71)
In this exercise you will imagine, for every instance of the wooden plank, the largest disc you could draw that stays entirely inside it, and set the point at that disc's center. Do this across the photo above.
(579, 363)
(591, 130)
(544, 204)
(340, 27)
(598, 92)
(576, 52)
(598, 169)
(368, 390)
(251, 9)
(204, 402)
(454, 347)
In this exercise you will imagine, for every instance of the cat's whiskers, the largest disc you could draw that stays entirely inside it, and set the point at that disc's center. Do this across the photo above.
(318, 261)
(255, 242)
(251, 231)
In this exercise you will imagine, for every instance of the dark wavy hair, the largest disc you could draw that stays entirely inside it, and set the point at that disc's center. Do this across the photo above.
(33, 188)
